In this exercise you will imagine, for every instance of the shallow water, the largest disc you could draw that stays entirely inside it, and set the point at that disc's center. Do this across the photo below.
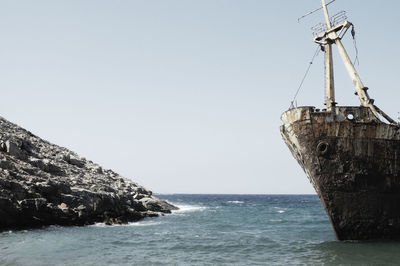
(207, 230)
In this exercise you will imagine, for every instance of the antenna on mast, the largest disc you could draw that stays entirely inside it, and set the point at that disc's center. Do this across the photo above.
(311, 12)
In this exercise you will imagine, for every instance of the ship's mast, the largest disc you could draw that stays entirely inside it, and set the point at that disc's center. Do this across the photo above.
(329, 81)
(330, 36)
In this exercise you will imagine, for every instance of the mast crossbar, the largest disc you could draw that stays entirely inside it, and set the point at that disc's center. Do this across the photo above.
(333, 31)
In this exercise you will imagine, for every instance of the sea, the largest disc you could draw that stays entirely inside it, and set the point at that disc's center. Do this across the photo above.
(207, 230)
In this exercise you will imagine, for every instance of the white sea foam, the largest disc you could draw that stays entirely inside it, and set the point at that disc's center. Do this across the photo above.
(275, 220)
(144, 223)
(149, 222)
(100, 225)
(235, 201)
(280, 210)
(188, 208)
(141, 223)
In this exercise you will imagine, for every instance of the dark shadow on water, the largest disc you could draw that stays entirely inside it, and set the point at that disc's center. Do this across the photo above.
(350, 252)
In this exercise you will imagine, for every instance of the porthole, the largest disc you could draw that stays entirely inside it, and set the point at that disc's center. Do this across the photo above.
(350, 116)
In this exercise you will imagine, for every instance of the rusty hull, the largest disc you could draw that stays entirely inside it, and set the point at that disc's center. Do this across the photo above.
(352, 159)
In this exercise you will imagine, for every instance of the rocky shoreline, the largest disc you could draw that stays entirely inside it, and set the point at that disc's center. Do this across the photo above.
(43, 184)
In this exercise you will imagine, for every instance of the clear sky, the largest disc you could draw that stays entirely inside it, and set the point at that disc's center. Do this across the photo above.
(183, 96)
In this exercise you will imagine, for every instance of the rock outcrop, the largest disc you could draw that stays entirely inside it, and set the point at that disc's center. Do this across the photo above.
(44, 184)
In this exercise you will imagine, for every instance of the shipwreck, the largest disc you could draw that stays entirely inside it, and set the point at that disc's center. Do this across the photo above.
(351, 154)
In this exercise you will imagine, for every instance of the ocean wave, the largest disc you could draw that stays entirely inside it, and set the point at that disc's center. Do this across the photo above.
(280, 210)
(275, 220)
(140, 223)
(144, 223)
(235, 201)
(188, 208)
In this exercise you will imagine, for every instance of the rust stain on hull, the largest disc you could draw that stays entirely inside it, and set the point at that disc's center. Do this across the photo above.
(352, 160)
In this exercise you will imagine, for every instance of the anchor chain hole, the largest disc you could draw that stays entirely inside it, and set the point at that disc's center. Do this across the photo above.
(322, 148)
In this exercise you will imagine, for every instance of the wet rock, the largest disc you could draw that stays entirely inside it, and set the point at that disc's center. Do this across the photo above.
(44, 184)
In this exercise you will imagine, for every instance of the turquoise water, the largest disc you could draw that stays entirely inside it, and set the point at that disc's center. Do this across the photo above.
(208, 230)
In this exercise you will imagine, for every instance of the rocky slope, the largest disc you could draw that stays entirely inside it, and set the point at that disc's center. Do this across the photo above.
(44, 184)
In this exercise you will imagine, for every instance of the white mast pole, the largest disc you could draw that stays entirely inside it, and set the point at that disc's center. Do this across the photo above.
(361, 90)
(329, 78)
(327, 20)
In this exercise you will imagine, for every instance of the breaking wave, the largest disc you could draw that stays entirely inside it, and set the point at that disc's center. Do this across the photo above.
(235, 201)
(140, 223)
(188, 208)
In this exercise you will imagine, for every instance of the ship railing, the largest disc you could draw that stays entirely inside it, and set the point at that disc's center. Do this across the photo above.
(336, 20)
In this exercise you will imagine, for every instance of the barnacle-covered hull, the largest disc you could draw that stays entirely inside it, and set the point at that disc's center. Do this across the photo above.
(353, 161)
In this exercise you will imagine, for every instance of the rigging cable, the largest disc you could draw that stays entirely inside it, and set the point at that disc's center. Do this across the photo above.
(305, 75)
(311, 12)
(353, 33)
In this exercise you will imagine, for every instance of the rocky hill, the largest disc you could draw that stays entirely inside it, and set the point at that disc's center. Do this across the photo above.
(44, 184)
